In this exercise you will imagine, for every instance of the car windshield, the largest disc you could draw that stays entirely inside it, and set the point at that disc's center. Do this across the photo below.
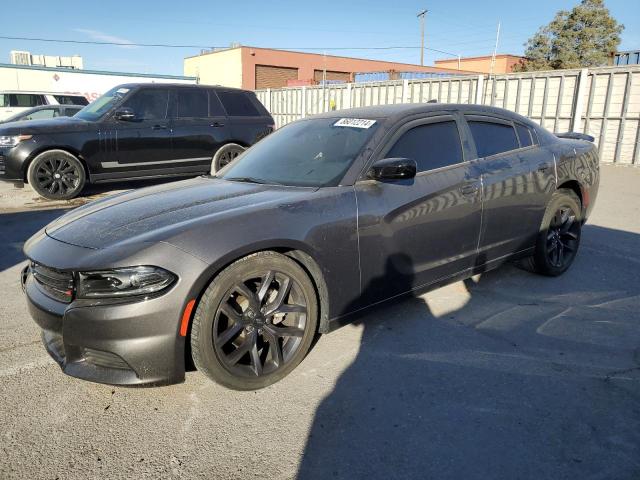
(103, 104)
(314, 152)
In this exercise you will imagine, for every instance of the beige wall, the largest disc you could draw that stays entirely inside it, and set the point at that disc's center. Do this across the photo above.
(504, 63)
(236, 67)
(222, 68)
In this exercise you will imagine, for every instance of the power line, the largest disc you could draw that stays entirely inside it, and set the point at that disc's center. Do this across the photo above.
(167, 45)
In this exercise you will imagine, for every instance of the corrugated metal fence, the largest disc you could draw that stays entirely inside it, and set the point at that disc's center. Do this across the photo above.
(602, 102)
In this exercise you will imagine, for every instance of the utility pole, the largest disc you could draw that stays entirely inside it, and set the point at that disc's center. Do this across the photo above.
(495, 50)
(421, 16)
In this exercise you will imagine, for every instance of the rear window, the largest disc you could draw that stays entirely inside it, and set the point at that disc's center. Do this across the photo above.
(71, 100)
(192, 103)
(492, 138)
(26, 100)
(524, 135)
(238, 104)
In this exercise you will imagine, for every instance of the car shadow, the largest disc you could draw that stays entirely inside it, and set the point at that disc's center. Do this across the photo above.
(506, 375)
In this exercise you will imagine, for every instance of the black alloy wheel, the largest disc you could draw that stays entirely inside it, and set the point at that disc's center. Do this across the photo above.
(226, 155)
(260, 324)
(56, 175)
(558, 237)
(562, 237)
(255, 321)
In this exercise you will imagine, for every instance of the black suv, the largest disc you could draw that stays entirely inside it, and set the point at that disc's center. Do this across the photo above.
(133, 131)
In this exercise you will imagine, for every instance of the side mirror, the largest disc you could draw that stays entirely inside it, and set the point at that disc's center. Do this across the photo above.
(125, 114)
(393, 169)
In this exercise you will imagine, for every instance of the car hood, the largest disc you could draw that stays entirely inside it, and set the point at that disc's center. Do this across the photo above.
(52, 125)
(157, 213)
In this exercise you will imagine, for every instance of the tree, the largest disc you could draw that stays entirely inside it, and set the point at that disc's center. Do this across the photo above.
(584, 37)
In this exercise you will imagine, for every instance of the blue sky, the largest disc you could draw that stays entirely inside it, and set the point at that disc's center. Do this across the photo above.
(463, 27)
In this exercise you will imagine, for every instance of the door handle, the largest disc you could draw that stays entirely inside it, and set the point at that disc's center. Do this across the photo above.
(217, 124)
(159, 127)
(470, 189)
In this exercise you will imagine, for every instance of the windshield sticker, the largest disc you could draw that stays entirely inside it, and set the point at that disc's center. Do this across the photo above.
(354, 123)
(122, 91)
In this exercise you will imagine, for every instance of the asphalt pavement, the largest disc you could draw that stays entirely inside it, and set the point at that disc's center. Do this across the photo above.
(508, 375)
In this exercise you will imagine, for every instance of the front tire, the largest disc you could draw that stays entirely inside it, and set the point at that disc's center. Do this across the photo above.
(559, 238)
(225, 155)
(255, 322)
(56, 175)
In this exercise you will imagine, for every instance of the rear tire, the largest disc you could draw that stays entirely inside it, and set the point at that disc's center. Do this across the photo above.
(56, 175)
(255, 322)
(225, 155)
(559, 238)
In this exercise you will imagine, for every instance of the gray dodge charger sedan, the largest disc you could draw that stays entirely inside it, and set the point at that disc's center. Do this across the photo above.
(325, 217)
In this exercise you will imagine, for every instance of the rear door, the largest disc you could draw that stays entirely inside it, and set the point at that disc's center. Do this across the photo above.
(199, 126)
(506, 218)
(415, 232)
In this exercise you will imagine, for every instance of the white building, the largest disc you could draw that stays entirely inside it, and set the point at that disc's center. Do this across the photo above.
(18, 57)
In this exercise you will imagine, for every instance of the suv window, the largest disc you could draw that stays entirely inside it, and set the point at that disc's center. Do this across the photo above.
(26, 100)
(71, 100)
(238, 104)
(191, 103)
(149, 104)
(524, 135)
(4, 100)
(215, 106)
(44, 113)
(433, 145)
(492, 138)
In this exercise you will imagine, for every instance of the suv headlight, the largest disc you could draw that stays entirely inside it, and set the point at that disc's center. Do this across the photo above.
(123, 282)
(13, 140)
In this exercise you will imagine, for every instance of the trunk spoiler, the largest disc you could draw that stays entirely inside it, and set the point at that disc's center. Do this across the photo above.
(576, 136)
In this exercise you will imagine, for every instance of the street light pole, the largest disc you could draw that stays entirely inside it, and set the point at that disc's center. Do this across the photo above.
(421, 15)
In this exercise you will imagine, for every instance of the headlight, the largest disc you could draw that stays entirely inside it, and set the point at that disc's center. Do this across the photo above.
(13, 140)
(123, 282)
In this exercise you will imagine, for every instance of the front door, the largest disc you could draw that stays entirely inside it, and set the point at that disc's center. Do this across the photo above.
(145, 141)
(418, 231)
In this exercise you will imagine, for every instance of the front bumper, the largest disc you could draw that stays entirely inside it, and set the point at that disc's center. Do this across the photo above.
(11, 163)
(112, 341)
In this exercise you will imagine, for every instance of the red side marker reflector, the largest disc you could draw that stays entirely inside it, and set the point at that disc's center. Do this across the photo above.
(186, 316)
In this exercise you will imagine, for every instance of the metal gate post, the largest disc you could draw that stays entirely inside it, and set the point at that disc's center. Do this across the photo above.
(579, 100)
(303, 103)
(479, 86)
(405, 91)
(349, 86)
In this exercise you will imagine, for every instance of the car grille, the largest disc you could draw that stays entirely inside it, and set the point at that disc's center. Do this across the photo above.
(2, 165)
(56, 284)
(104, 359)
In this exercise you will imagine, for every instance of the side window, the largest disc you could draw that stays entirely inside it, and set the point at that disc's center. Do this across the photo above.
(432, 146)
(493, 138)
(26, 100)
(238, 104)
(4, 100)
(71, 100)
(70, 112)
(215, 107)
(524, 135)
(192, 103)
(44, 113)
(149, 104)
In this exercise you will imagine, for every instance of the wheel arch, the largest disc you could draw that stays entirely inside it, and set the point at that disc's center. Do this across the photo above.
(35, 154)
(575, 186)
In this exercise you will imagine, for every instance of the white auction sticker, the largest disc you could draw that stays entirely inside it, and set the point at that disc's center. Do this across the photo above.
(354, 123)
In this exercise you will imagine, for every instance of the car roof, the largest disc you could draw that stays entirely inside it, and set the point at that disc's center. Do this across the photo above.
(34, 92)
(399, 111)
(180, 85)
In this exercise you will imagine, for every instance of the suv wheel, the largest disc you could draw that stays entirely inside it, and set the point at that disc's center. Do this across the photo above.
(225, 155)
(255, 322)
(56, 175)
